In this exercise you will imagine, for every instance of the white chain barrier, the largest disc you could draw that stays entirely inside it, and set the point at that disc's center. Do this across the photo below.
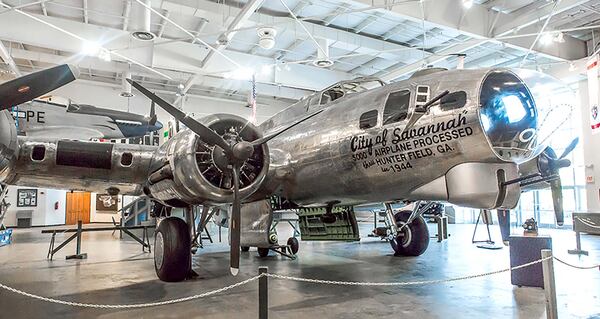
(315, 281)
(139, 305)
(409, 283)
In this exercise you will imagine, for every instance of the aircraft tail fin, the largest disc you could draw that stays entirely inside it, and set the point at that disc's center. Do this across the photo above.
(152, 114)
(28, 87)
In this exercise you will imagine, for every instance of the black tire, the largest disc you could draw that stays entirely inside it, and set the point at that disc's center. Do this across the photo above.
(294, 244)
(172, 247)
(245, 248)
(415, 239)
(263, 252)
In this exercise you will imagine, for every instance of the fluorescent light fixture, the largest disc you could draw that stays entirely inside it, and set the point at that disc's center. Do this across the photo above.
(467, 4)
(514, 108)
(266, 69)
(572, 67)
(546, 38)
(90, 48)
(104, 55)
(240, 74)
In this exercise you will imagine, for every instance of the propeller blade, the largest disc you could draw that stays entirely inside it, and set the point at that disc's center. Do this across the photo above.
(557, 201)
(30, 86)
(269, 137)
(234, 249)
(570, 148)
(209, 136)
(153, 117)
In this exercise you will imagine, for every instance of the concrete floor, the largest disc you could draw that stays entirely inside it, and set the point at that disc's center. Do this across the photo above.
(116, 272)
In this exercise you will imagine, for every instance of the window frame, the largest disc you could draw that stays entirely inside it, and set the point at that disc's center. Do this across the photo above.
(360, 119)
(385, 121)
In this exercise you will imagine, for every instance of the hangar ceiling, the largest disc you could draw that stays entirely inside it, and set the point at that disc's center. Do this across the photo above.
(384, 38)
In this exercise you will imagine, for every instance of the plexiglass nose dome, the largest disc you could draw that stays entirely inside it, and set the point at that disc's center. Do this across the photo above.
(520, 110)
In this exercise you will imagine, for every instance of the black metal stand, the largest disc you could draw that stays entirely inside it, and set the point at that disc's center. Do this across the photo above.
(144, 241)
(263, 294)
(489, 243)
(578, 250)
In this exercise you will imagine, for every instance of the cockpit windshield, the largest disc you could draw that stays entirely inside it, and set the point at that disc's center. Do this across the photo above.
(342, 88)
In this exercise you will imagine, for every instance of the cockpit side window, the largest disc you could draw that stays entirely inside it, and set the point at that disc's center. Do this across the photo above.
(396, 107)
(332, 94)
(454, 100)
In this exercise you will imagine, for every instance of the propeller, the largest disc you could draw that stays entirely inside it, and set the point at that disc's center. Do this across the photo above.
(30, 86)
(235, 153)
(550, 164)
(153, 117)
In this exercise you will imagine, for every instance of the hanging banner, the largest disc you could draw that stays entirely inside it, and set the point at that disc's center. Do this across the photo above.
(592, 73)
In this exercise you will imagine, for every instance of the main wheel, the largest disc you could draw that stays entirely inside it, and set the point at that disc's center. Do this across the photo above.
(172, 246)
(245, 248)
(263, 252)
(294, 244)
(413, 240)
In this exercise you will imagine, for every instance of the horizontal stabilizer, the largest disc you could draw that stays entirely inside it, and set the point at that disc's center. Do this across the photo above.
(31, 86)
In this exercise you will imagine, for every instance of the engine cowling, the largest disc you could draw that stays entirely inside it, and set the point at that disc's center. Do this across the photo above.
(186, 170)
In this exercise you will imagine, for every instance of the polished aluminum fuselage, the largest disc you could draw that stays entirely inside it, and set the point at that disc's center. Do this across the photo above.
(319, 163)
(328, 159)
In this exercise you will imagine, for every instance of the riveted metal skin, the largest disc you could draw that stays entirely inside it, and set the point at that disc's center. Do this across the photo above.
(128, 179)
(325, 160)
(329, 159)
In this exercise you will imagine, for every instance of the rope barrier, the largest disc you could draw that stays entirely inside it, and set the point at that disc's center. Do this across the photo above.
(276, 276)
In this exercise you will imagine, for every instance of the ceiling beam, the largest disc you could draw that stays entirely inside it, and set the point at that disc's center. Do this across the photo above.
(476, 22)
(224, 39)
(7, 58)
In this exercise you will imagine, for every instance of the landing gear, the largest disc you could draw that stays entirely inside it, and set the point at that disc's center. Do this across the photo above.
(412, 238)
(245, 248)
(263, 252)
(293, 245)
(172, 246)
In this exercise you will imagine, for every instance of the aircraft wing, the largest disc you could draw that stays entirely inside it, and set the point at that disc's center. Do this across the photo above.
(65, 132)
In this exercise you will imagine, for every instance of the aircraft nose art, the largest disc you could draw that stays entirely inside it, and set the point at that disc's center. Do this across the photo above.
(521, 110)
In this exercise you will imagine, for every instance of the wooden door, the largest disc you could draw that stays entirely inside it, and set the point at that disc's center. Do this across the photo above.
(78, 208)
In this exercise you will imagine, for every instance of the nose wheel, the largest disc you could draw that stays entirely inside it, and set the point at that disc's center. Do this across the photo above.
(412, 238)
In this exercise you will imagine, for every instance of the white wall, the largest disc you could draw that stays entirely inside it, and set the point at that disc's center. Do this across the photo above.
(44, 213)
(591, 151)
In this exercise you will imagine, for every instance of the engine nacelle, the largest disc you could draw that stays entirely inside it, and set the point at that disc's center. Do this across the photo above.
(187, 171)
(8, 144)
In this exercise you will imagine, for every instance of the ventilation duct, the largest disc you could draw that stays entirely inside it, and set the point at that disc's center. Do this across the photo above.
(126, 87)
(322, 59)
(140, 21)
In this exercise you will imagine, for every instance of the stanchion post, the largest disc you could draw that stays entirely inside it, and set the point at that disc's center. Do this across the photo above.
(263, 294)
(78, 250)
(549, 284)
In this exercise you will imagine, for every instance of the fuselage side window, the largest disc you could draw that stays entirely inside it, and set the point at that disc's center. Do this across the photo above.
(396, 107)
(454, 100)
(368, 119)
